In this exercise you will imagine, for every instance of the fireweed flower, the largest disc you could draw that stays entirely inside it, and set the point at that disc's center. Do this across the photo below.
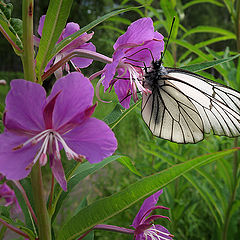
(79, 43)
(144, 228)
(36, 126)
(8, 195)
(138, 46)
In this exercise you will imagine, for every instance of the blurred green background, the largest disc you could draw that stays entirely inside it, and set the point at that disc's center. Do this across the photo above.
(204, 205)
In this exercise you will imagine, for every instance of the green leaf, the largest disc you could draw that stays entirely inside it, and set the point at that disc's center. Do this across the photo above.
(11, 26)
(204, 192)
(18, 224)
(77, 174)
(209, 29)
(91, 25)
(105, 208)
(56, 18)
(206, 65)
(28, 189)
(118, 113)
(126, 161)
(203, 44)
(191, 3)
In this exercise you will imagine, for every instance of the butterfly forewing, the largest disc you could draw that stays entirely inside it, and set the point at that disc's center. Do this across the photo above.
(171, 115)
(184, 105)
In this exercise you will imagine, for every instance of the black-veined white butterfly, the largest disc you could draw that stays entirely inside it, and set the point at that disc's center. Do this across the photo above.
(182, 106)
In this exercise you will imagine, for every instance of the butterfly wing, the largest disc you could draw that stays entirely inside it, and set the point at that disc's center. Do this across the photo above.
(185, 106)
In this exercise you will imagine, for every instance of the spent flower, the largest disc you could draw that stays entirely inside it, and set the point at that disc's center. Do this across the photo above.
(37, 126)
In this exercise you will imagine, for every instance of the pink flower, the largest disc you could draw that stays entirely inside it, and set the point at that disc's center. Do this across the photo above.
(144, 228)
(9, 196)
(138, 46)
(79, 43)
(37, 126)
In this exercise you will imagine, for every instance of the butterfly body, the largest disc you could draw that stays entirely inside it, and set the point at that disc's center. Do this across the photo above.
(182, 106)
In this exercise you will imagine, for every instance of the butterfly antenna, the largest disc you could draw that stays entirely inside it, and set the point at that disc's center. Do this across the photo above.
(163, 53)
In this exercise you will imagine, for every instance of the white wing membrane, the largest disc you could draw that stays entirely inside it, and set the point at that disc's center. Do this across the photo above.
(185, 106)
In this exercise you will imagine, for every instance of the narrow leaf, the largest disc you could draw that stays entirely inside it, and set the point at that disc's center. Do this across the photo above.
(91, 25)
(126, 161)
(105, 208)
(56, 18)
(76, 175)
(206, 65)
(191, 3)
(118, 113)
(209, 29)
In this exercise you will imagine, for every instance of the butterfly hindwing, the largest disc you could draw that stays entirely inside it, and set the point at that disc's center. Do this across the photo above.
(184, 105)
(169, 114)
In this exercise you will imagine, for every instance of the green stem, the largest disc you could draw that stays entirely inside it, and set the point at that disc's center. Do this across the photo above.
(238, 24)
(233, 195)
(235, 160)
(28, 50)
(44, 225)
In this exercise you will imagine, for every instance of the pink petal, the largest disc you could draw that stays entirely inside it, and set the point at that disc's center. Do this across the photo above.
(123, 91)
(138, 32)
(58, 171)
(70, 29)
(76, 94)
(24, 105)
(93, 139)
(13, 163)
(84, 62)
(147, 204)
(110, 69)
(41, 23)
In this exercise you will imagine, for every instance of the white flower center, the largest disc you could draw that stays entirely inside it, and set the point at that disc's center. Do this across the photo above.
(50, 145)
(153, 233)
(134, 75)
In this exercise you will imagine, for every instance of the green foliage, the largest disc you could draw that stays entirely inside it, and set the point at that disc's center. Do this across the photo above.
(103, 209)
(56, 18)
(207, 194)
(12, 26)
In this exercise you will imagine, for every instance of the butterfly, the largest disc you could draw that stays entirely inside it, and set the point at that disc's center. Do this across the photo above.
(182, 105)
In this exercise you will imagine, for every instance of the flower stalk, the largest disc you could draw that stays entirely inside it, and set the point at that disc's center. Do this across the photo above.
(44, 226)
(28, 50)
(76, 53)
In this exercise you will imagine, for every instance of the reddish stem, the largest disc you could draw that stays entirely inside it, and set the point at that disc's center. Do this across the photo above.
(10, 40)
(14, 229)
(21, 189)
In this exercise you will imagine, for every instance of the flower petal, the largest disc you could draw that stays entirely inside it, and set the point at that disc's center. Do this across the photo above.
(58, 171)
(76, 94)
(147, 204)
(13, 163)
(138, 32)
(163, 232)
(84, 62)
(24, 104)
(41, 23)
(93, 139)
(123, 91)
(110, 69)
(70, 29)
